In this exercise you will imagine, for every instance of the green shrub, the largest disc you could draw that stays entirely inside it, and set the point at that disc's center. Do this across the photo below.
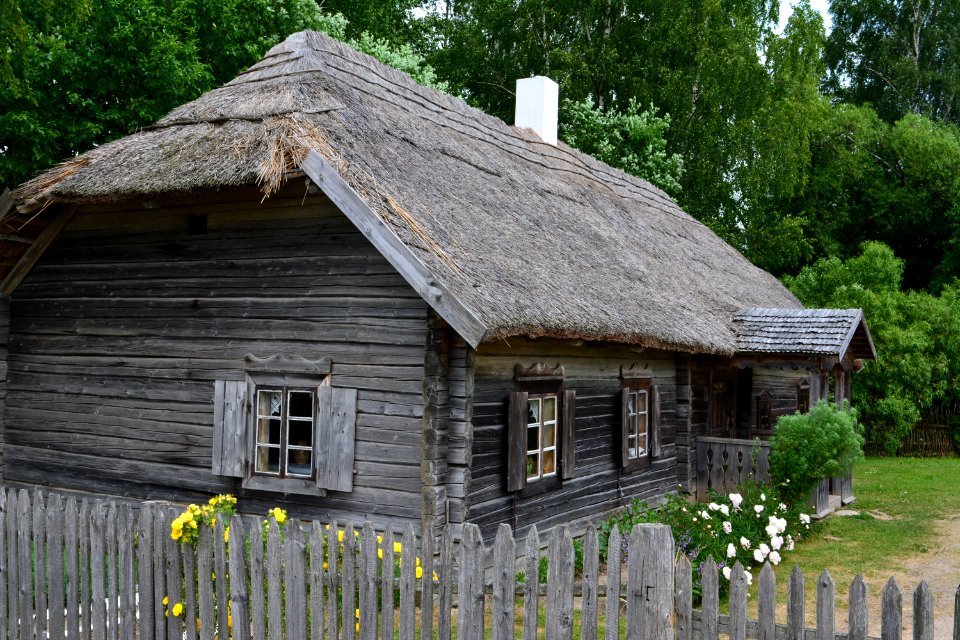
(807, 447)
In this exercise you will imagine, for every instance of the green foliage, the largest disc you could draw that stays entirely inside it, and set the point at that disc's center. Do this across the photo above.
(633, 140)
(808, 447)
(753, 526)
(916, 334)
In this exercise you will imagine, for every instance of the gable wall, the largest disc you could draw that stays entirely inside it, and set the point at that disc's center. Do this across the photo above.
(119, 332)
(599, 485)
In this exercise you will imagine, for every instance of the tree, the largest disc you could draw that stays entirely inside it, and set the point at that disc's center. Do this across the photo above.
(900, 56)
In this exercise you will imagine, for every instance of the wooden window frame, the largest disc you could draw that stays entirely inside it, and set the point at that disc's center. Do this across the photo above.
(542, 389)
(634, 386)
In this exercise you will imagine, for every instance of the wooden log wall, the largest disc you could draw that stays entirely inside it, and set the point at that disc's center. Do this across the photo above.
(4, 339)
(782, 384)
(119, 331)
(599, 484)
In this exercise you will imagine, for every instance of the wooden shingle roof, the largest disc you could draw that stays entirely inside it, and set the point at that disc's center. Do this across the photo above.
(823, 332)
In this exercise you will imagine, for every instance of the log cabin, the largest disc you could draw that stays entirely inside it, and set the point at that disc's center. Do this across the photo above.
(326, 286)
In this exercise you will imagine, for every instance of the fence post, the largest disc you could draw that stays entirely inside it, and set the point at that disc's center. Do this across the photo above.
(295, 580)
(238, 580)
(317, 604)
(710, 584)
(922, 612)
(891, 625)
(368, 582)
(504, 556)
(470, 596)
(826, 599)
(426, 585)
(766, 603)
(738, 602)
(445, 588)
(408, 585)
(683, 599)
(795, 605)
(55, 602)
(650, 583)
(591, 569)
(559, 622)
(274, 582)
(40, 564)
(857, 625)
(531, 583)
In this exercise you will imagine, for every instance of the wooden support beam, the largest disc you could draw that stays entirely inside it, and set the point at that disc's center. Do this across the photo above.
(30, 257)
(463, 319)
(6, 203)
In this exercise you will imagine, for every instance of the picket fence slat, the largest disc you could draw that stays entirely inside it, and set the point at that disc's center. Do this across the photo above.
(104, 573)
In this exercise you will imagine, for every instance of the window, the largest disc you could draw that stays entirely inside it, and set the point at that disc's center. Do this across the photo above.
(285, 428)
(640, 422)
(540, 431)
(541, 437)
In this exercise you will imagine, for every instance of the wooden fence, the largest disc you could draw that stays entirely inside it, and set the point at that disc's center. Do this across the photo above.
(94, 570)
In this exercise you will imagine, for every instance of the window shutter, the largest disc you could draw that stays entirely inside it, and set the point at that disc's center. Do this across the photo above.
(517, 441)
(568, 437)
(624, 427)
(655, 421)
(230, 412)
(335, 435)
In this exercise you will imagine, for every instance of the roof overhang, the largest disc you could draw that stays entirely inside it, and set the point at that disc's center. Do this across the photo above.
(834, 333)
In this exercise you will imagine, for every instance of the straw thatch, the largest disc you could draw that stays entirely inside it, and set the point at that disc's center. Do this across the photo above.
(534, 239)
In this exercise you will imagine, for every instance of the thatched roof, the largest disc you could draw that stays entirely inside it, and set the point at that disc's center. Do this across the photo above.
(507, 235)
(821, 332)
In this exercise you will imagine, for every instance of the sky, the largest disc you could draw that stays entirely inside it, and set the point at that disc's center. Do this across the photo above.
(786, 8)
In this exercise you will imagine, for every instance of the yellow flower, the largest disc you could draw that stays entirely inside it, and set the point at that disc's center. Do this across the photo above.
(339, 536)
(418, 562)
(229, 620)
(166, 600)
(380, 553)
(379, 539)
(198, 624)
(213, 500)
(397, 547)
(177, 610)
(278, 514)
(419, 572)
(357, 613)
(325, 567)
(186, 516)
(226, 534)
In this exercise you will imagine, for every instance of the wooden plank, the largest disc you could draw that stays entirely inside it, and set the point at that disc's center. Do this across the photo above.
(295, 580)
(710, 600)
(40, 564)
(470, 592)
(891, 611)
(86, 598)
(315, 580)
(559, 621)
(531, 584)
(590, 581)
(29, 258)
(464, 320)
(738, 602)
(190, 578)
(126, 578)
(826, 600)
(923, 612)
(98, 587)
(349, 582)
(368, 582)
(504, 556)
(55, 584)
(229, 427)
(205, 584)
(238, 582)
(445, 586)
(795, 605)
(387, 593)
(426, 584)
(857, 615)
(12, 574)
(517, 441)
(173, 585)
(338, 470)
(221, 583)
(4, 567)
(408, 585)
(568, 457)
(145, 580)
(274, 581)
(650, 583)
(767, 603)
(258, 602)
(111, 563)
(332, 577)
(683, 598)
(25, 565)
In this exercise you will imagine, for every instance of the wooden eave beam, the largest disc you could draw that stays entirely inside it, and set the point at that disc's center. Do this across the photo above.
(858, 322)
(35, 250)
(463, 319)
(6, 203)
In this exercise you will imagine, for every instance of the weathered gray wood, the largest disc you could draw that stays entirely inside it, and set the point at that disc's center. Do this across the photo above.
(16, 275)
(40, 564)
(190, 578)
(368, 582)
(568, 441)
(84, 525)
(591, 571)
(111, 562)
(826, 601)
(470, 592)
(229, 427)
(922, 612)
(650, 582)
(408, 584)
(72, 570)
(274, 581)
(386, 593)
(857, 613)
(614, 569)
(258, 603)
(314, 584)
(55, 584)
(531, 583)
(338, 470)
(891, 612)
(205, 584)
(126, 576)
(4, 567)
(25, 565)
(710, 581)
(174, 581)
(98, 590)
(517, 441)
(504, 556)
(559, 620)
(463, 319)
(349, 582)
(426, 585)
(795, 605)
(221, 577)
(332, 576)
(738, 602)
(295, 581)
(767, 603)
(12, 574)
(239, 599)
(683, 598)
(445, 586)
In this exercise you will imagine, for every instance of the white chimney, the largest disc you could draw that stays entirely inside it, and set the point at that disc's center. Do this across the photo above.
(537, 100)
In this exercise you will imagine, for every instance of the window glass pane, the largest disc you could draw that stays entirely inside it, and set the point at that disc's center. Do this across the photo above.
(533, 466)
(549, 435)
(549, 408)
(533, 411)
(641, 401)
(641, 446)
(641, 424)
(268, 459)
(301, 404)
(268, 431)
(631, 403)
(533, 438)
(301, 433)
(298, 461)
(549, 463)
(268, 403)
